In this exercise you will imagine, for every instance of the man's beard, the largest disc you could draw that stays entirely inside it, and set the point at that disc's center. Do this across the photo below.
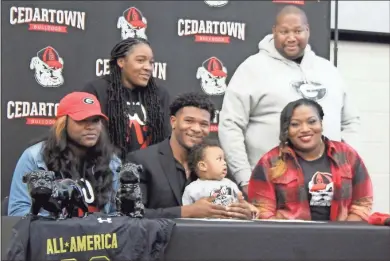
(298, 55)
(187, 148)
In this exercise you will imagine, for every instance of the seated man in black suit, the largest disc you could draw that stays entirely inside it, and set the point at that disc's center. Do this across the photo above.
(166, 171)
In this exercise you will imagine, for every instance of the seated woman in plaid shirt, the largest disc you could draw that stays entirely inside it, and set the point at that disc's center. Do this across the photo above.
(309, 177)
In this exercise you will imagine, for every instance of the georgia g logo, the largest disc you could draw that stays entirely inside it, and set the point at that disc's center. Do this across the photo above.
(88, 101)
(48, 66)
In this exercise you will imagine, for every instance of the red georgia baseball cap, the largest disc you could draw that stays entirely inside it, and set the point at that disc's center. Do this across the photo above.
(79, 106)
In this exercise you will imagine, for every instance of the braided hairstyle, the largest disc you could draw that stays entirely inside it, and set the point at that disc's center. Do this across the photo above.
(285, 120)
(119, 128)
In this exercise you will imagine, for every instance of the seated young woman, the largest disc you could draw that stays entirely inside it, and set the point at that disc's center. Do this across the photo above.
(77, 147)
(308, 176)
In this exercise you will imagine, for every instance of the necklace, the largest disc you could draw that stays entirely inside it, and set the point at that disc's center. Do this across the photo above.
(321, 152)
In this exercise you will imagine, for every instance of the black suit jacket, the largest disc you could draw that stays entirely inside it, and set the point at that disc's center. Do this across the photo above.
(161, 192)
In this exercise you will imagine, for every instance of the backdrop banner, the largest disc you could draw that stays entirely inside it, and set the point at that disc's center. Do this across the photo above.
(51, 48)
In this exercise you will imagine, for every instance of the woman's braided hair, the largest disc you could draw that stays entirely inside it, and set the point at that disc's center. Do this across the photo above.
(119, 128)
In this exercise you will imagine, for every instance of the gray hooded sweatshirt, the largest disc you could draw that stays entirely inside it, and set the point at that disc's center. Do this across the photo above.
(259, 90)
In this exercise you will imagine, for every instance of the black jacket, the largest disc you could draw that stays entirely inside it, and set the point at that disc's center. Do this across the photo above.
(161, 193)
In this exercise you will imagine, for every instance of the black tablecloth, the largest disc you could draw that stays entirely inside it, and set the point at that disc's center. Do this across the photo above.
(197, 240)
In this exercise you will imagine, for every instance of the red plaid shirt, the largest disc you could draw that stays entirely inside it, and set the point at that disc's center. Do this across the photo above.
(286, 197)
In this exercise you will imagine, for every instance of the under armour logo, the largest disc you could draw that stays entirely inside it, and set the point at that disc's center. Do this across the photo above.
(108, 220)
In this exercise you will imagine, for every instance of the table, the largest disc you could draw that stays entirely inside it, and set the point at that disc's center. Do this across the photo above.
(199, 240)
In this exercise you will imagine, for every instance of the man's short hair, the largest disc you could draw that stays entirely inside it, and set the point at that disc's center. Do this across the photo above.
(291, 9)
(192, 99)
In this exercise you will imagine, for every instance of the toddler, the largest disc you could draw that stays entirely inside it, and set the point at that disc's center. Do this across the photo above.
(207, 162)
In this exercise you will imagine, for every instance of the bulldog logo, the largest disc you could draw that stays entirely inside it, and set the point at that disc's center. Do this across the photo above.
(321, 189)
(48, 66)
(310, 90)
(213, 75)
(132, 24)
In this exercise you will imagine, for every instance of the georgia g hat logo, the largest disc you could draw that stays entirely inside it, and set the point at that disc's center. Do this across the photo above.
(88, 101)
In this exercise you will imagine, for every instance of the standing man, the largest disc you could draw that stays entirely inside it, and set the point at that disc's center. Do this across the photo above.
(285, 69)
(166, 170)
